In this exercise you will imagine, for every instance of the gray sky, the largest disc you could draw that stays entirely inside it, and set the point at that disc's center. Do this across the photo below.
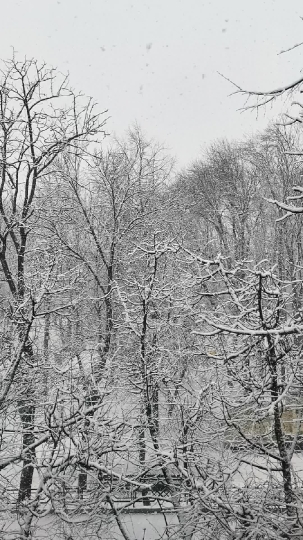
(156, 61)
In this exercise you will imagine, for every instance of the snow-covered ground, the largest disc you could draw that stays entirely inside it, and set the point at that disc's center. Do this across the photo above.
(138, 527)
(251, 471)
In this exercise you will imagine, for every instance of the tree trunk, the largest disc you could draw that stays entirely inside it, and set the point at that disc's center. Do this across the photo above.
(27, 415)
(280, 438)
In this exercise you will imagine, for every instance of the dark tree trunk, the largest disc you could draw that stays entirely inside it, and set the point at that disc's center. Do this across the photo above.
(279, 434)
(27, 415)
(142, 457)
(82, 483)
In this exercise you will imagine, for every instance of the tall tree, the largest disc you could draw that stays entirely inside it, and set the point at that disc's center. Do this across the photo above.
(40, 118)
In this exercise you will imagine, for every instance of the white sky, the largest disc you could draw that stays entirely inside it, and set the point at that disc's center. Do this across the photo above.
(156, 61)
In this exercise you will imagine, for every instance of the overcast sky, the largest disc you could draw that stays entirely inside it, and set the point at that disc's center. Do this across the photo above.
(156, 62)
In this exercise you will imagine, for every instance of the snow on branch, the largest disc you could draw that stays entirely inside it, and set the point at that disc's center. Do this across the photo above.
(270, 93)
(290, 209)
(283, 331)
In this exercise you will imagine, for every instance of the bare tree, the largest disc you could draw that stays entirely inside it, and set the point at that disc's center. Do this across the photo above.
(40, 118)
(249, 333)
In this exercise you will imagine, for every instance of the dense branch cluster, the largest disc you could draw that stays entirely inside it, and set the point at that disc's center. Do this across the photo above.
(151, 327)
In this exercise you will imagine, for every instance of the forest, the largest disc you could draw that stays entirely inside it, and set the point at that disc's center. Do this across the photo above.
(151, 325)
